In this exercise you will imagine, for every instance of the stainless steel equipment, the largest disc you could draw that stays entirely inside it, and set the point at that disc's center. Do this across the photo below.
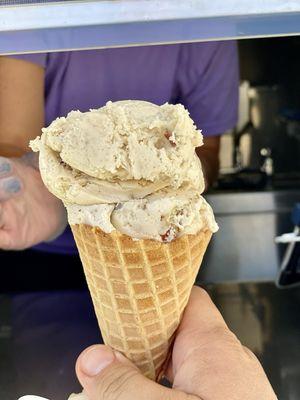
(267, 129)
(244, 249)
(265, 140)
(266, 105)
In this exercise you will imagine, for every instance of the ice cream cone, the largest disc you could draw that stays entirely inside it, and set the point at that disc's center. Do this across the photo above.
(131, 181)
(139, 289)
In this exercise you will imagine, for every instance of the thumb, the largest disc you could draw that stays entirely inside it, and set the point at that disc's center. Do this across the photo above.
(107, 374)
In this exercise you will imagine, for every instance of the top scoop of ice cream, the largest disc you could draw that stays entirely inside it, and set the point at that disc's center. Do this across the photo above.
(124, 150)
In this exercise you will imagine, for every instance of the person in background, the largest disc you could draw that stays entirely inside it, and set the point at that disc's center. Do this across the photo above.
(35, 89)
(208, 362)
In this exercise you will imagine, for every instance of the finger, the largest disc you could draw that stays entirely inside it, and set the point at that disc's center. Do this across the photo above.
(201, 313)
(4, 235)
(9, 187)
(108, 375)
(5, 242)
(200, 319)
(5, 239)
(207, 355)
(5, 167)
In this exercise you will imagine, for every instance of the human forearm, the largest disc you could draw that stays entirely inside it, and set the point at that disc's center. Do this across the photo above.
(210, 166)
(21, 105)
(209, 157)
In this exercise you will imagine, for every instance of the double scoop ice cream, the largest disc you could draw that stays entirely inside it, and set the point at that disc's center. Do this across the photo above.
(131, 181)
(130, 166)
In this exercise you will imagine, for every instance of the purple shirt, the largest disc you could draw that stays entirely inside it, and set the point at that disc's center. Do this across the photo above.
(202, 76)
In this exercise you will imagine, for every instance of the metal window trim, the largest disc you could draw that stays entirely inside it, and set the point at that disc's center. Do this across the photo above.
(92, 12)
(73, 25)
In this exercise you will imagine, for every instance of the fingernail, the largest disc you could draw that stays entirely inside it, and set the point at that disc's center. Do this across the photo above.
(95, 359)
(5, 167)
(12, 185)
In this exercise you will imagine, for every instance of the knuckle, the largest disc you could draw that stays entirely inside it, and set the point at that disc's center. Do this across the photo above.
(221, 334)
(199, 291)
(250, 355)
(115, 382)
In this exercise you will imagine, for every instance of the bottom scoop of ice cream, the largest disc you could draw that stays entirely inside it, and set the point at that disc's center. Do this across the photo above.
(156, 217)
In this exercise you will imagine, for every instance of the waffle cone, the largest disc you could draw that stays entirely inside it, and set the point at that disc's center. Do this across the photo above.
(139, 290)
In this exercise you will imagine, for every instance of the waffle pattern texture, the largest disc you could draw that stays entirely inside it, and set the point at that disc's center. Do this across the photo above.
(139, 290)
